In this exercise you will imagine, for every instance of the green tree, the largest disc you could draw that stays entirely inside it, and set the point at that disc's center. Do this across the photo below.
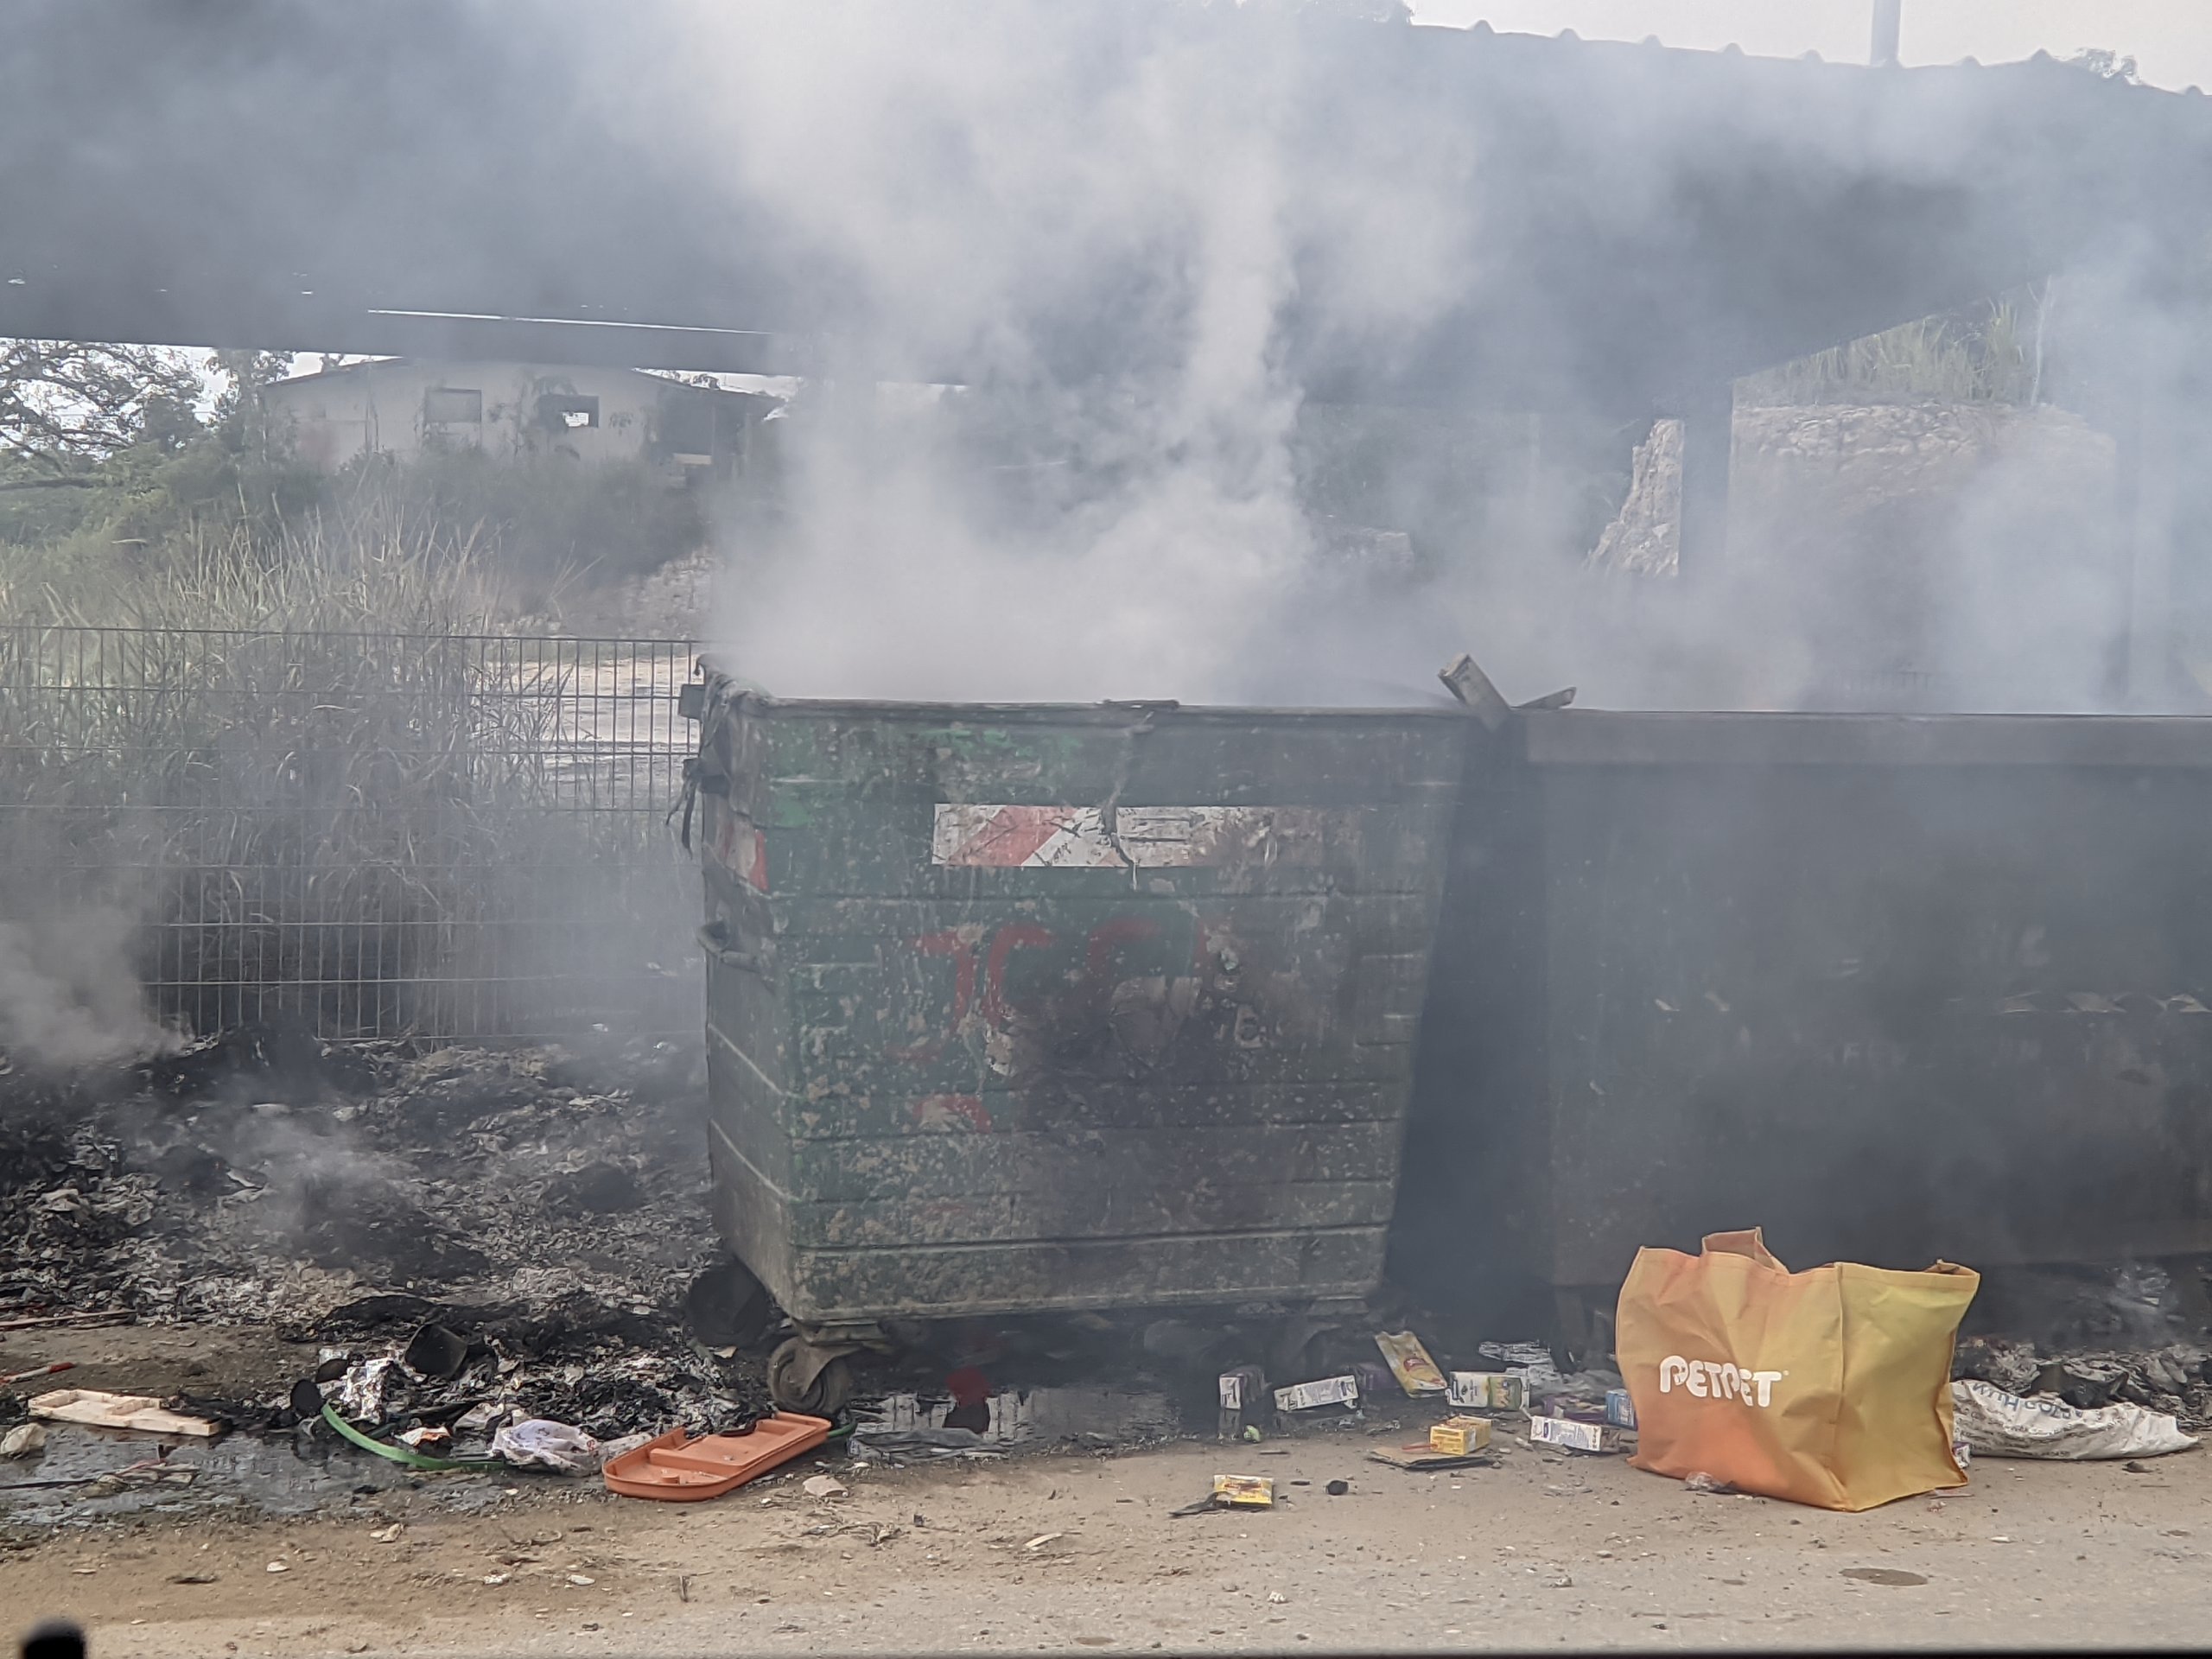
(64, 405)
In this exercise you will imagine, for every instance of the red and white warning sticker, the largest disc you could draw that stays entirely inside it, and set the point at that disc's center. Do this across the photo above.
(1128, 837)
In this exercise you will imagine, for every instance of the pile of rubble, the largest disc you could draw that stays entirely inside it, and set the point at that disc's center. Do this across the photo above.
(543, 1208)
(2176, 1379)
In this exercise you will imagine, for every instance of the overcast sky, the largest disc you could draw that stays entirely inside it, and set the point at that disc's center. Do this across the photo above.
(2171, 39)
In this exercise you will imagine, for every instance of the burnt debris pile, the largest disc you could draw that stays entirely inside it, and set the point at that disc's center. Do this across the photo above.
(542, 1207)
(2133, 1334)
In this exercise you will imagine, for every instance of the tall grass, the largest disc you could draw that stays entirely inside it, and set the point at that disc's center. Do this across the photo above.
(320, 777)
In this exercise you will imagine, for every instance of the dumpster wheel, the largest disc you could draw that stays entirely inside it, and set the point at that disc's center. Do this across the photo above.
(802, 1377)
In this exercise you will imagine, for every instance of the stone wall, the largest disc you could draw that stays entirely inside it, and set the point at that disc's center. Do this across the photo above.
(1967, 553)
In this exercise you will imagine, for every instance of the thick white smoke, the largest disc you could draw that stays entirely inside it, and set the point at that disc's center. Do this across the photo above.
(986, 183)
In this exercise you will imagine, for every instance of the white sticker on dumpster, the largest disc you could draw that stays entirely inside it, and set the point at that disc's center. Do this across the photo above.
(1135, 837)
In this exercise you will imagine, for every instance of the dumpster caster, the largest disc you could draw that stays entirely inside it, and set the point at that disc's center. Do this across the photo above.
(726, 1307)
(802, 1377)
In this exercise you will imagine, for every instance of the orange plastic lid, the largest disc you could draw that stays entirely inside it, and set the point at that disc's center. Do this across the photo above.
(676, 1468)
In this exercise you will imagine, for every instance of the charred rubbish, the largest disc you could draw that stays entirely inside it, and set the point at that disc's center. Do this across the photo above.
(510, 1228)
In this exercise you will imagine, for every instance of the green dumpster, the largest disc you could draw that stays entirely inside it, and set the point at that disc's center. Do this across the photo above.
(1013, 1008)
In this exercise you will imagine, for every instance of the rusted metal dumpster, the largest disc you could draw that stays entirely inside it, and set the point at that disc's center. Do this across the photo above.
(1027, 1007)
(1892, 988)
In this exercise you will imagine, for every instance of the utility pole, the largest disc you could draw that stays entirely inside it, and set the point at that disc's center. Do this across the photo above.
(1888, 20)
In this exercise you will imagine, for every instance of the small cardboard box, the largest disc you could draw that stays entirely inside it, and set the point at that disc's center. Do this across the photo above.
(1459, 1437)
(1328, 1391)
(1620, 1410)
(1410, 1364)
(1245, 1491)
(1571, 1436)
(1486, 1391)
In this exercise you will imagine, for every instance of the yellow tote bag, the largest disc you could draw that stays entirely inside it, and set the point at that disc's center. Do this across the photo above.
(1831, 1388)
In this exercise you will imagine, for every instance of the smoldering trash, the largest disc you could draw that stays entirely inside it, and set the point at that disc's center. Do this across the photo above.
(469, 1240)
(2012, 1401)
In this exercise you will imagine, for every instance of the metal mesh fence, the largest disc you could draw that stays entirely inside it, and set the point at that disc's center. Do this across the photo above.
(362, 835)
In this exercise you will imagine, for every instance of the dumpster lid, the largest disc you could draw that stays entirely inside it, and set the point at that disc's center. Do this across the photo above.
(1578, 737)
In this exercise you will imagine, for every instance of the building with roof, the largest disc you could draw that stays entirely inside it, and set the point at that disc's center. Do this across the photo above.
(403, 407)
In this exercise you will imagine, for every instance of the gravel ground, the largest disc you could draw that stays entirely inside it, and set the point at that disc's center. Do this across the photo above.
(1059, 1550)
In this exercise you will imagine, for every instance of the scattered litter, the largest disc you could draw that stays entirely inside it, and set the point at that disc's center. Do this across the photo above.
(278, 1566)
(1421, 1455)
(195, 1578)
(1528, 1362)
(1043, 1539)
(1326, 1391)
(823, 1486)
(425, 1435)
(1570, 1435)
(497, 1578)
(74, 1321)
(435, 1353)
(133, 1411)
(54, 1369)
(1459, 1437)
(1337, 1488)
(541, 1443)
(386, 1535)
(1620, 1410)
(1410, 1364)
(2001, 1425)
(404, 1454)
(1882, 1575)
(483, 1419)
(25, 1440)
(1243, 1390)
(903, 1424)
(362, 1391)
(1486, 1391)
(2013, 1366)
(1697, 1481)
(673, 1467)
(451, 1185)
(1244, 1491)
(581, 1580)
(921, 1442)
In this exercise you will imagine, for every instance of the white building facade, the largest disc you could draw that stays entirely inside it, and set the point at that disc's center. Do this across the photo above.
(403, 407)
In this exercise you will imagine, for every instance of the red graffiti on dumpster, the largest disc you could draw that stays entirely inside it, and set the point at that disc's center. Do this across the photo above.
(981, 959)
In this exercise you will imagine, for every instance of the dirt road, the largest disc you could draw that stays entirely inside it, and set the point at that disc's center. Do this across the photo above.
(1080, 1552)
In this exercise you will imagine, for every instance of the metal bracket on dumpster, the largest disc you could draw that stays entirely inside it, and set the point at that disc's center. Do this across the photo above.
(1465, 680)
(713, 939)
